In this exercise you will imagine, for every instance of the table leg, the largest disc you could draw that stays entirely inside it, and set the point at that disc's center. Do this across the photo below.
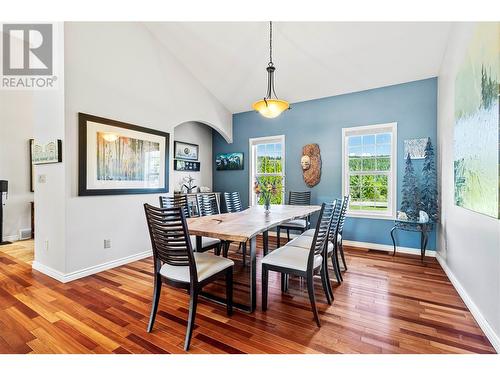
(393, 240)
(253, 273)
(198, 244)
(265, 241)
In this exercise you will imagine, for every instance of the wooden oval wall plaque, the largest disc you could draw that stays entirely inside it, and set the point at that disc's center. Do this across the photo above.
(311, 164)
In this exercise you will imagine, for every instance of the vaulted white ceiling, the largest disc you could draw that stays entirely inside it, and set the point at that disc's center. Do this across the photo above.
(312, 59)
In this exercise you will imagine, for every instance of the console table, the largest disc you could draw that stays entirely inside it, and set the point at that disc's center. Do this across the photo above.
(424, 227)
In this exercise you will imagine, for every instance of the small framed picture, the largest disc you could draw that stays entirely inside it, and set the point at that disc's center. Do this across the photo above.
(46, 153)
(185, 151)
(181, 165)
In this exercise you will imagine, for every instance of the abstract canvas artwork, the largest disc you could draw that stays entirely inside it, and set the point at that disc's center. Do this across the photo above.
(476, 132)
(229, 161)
(415, 147)
(120, 158)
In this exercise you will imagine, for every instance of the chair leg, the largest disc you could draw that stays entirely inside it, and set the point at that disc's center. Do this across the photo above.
(288, 234)
(337, 262)
(265, 277)
(312, 298)
(156, 299)
(341, 248)
(218, 249)
(229, 291)
(325, 282)
(336, 268)
(278, 230)
(329, 284)
(192, 313)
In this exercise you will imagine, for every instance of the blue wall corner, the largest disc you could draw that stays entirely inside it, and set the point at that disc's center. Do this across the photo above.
(412, 105)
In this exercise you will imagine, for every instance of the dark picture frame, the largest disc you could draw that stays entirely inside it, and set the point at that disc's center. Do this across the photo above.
(186, 166)
(180, 154)
(83, 149)
(230, 161)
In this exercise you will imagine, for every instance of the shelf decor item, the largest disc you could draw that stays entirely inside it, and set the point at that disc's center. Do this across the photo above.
(46, 153)
(229, 161)
(311, 164)
(120, 158)
(185, 151)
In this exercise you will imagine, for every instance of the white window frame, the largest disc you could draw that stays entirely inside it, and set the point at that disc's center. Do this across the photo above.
(252, 143)
(392, 128)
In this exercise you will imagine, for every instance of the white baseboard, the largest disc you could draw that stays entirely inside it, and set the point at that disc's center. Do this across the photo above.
(12, 238)
(476, 313)
(376, 246)
(67, 277)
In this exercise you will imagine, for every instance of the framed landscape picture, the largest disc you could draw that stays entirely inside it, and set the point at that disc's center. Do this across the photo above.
(120, 158)
(229, 161)
(185, 151)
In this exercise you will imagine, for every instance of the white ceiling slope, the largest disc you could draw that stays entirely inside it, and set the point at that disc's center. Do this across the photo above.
(313, 59)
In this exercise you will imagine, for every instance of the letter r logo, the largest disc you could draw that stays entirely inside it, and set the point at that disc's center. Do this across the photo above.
(27, 49)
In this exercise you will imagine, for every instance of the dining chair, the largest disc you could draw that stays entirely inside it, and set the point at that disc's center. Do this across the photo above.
(207, 204)
(177, 265)
(233, 204)
(302, 198)
(181, 200)
(345, 206)
(292, 260)
(304, 241)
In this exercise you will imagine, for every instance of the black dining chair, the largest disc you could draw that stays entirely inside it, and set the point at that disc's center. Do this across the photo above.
(293, 260)
(233, 204)
(345, 206)
(207, 204)
(180, 200)
(301, 198)
(177, 265)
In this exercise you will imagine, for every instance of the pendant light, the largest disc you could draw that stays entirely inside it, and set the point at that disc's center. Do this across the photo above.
(271, 106)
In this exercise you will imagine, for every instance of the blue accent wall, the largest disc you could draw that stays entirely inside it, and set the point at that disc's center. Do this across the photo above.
(412, 105)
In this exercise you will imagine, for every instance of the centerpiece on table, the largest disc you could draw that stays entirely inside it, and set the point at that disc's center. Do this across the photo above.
(265, 190)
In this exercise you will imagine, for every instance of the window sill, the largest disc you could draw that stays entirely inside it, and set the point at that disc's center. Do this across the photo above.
(369, 215)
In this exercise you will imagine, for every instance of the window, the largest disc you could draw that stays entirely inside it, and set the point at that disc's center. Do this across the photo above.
(267, 165)
(369, 170)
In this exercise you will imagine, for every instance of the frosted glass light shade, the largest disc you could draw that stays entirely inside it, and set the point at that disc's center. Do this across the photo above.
(271, 108)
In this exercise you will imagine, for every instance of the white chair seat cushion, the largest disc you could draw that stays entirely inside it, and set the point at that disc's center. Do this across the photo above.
(297, 223)
(292, 257)
(305, 243)
(205, 242)
(206, 266)
(309, 233)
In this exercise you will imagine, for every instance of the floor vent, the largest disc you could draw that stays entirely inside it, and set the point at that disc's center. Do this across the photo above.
(24, 234)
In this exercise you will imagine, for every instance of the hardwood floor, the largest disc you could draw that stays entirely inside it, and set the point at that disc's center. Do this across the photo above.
(385, 305)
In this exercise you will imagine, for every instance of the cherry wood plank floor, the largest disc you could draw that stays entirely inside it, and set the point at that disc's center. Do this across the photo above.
(385, 305)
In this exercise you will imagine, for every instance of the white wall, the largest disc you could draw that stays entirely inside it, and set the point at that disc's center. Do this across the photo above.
(120, 71)
(16, 128)
(468, 242)
(200, 134)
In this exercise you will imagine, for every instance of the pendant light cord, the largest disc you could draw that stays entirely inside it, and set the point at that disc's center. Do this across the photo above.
(271, 42)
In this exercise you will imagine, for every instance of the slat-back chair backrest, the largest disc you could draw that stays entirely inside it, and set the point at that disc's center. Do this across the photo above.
(343, 213)
(335, 220)
(233, 202)
(299, 198)
(321, 234)
(179, 200)
(207, 204)
(169, 237)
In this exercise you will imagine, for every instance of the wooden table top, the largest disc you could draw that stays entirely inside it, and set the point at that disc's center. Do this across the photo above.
(241, 226)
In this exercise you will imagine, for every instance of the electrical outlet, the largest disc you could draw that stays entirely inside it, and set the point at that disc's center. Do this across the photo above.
(46, 245)
(107, 244)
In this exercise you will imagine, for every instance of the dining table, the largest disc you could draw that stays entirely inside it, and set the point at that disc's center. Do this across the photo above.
(243, 227)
